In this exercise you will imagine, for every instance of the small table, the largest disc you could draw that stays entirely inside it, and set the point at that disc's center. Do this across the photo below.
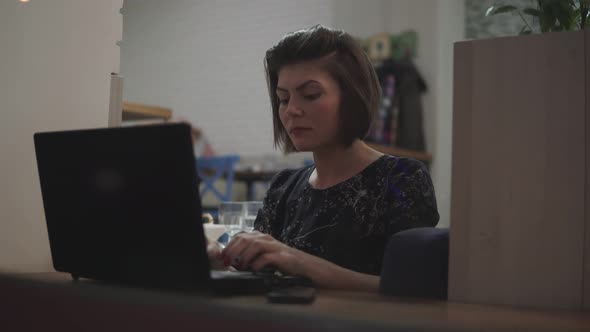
(250, 177)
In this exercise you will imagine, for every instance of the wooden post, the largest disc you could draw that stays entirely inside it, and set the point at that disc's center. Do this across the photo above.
(519, 220)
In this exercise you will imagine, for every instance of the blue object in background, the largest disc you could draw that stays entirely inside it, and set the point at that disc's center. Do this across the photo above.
(212, 169)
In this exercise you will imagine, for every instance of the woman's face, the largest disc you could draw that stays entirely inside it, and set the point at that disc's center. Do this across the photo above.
(309, 99)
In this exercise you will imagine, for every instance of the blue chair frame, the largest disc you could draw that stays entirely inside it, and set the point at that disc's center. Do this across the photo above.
(211, 169)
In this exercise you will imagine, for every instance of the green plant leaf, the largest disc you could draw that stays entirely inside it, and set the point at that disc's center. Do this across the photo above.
(547, 18)
(584, 14)
(531, 11)
(500, 10)
(577, 15)
(564, 12)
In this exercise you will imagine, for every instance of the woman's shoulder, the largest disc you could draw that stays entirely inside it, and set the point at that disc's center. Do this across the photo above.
(395, 166)
(405, 174)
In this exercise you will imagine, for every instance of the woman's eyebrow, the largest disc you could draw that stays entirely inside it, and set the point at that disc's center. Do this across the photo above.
(300, 87)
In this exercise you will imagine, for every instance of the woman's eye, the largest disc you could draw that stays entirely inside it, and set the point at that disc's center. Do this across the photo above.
(283, 101)
(312, 96)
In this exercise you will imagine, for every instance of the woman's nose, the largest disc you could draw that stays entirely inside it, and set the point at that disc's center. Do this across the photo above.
(293, 109)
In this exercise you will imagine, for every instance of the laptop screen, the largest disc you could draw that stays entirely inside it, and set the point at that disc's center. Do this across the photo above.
(122, 204)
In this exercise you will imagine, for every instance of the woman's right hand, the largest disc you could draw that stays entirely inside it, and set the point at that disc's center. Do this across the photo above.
(214, 249)
(256, 250)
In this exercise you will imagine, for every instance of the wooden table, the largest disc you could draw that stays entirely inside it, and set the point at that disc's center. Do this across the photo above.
(54, 302)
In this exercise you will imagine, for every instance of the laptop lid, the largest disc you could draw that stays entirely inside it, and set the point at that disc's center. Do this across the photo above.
(122, 204)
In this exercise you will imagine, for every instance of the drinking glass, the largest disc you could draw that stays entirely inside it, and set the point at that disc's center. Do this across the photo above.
(231, 215)
(250, 212)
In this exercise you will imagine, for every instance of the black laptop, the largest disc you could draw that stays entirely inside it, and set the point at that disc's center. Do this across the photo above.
(122, 205)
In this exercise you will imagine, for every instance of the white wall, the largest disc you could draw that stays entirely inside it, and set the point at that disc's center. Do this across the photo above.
(204, 60)
(361, 18)
(450, 27)
(55, 63)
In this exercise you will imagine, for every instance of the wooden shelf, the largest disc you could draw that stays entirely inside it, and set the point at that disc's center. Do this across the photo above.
(134, 111)
(398, 152)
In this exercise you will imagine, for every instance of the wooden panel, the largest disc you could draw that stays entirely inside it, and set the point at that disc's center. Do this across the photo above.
(116, 101)
(461, 173)
(524, 238)
(586, 299)
(133, 111)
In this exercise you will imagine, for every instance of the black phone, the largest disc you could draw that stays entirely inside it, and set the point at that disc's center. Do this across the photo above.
(294, 295)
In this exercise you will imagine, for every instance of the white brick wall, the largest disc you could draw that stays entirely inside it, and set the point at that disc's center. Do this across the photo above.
(204, 59)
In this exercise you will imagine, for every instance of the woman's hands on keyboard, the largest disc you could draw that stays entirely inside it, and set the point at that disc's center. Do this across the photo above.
(256, 251)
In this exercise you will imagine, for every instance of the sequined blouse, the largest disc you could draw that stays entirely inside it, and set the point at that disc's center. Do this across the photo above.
(349, 223)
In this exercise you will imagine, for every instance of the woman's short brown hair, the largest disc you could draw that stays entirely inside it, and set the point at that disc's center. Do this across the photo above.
(344, 59)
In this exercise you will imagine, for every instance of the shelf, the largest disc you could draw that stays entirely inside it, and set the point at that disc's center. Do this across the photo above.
(134, 111)
(399, 152)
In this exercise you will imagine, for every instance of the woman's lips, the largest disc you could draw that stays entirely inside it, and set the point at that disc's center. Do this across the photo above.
(299, 130)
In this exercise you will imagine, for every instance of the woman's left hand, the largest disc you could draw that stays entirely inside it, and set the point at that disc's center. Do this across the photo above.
(257, 250)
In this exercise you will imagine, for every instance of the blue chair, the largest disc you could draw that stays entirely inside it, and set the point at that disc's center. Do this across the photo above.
(416, 264)
(213, 169)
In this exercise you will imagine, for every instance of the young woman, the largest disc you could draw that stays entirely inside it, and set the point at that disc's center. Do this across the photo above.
(330, 221)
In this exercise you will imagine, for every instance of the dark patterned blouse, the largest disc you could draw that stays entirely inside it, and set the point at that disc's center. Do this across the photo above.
(349, 223)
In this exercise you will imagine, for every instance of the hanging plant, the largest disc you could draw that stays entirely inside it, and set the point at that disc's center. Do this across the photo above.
(552, 15)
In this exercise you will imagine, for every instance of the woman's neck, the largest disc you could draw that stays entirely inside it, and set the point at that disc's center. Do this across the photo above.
(335, 165)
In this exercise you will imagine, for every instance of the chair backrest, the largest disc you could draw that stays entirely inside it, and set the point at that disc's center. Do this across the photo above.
(212, 169)
(416, 263)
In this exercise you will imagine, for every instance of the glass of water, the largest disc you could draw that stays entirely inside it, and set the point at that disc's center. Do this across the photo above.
(250, 212)
(231, 215)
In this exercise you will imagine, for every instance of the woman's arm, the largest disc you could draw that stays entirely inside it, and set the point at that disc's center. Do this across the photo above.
(258, 250)
(325, 274)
